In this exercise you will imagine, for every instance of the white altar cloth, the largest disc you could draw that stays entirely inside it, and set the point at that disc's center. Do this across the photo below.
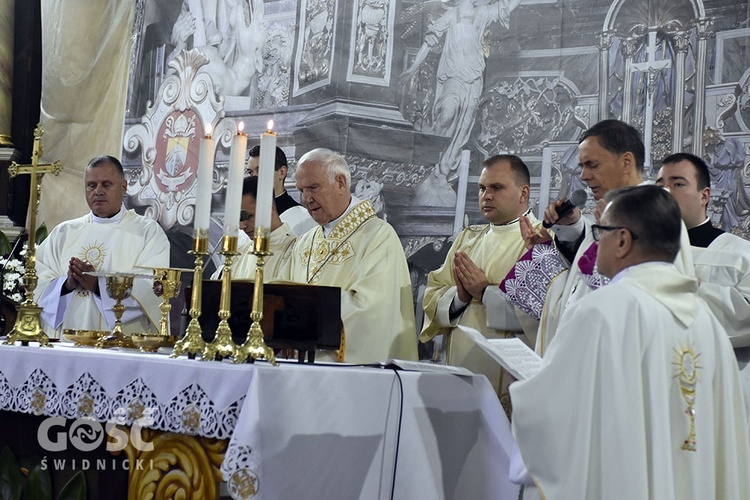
(296, 431)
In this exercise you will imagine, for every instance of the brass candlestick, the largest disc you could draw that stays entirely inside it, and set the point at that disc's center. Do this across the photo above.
(28, 327)
(255, 347)
(223, 346)
(192, 343)
(119, 287)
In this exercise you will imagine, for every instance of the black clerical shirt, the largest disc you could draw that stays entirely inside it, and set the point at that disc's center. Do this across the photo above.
(284, 202)
(704, 234)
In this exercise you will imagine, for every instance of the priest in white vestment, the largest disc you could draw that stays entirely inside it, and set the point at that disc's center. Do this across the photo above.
(639, 396)
(459, 292)
(354, 250)
(611, 154)
(722, 260)
(281, 240)
(109, 239)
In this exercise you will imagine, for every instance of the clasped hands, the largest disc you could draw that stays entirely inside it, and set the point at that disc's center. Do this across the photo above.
(470, 279)
(76, 276)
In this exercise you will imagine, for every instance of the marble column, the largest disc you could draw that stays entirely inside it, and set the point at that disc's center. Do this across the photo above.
(7, 14)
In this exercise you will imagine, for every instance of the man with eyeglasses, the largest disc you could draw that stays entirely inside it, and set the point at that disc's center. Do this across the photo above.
(639, 396)
(722, 260)
(281, 240)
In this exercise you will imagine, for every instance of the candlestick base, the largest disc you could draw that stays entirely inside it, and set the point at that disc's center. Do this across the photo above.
(192, 343)
(28, 327)
(255, 347)
(223, 346)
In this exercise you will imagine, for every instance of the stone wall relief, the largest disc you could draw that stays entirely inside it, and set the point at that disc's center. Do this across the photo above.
(317, 35)
(371, 43)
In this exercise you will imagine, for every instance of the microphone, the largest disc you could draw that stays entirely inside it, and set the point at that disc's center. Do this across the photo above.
(577, 199)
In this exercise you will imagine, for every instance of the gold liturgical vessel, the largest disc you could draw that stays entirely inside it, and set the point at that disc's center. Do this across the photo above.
(169, 278)
(28, 327)
(119, 287)
(255, 347)
(223, 346)
(192, 343)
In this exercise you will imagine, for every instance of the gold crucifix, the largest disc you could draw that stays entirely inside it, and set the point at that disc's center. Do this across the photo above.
(28, 326)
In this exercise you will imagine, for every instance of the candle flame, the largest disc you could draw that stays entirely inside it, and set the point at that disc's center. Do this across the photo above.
(209, 129)
(240, 127)
(269, 125)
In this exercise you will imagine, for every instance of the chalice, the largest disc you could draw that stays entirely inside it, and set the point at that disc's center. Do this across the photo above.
(119, 287)
(169, 280)
(169, 277)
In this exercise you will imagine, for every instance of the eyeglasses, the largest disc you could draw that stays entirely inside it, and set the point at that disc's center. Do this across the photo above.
(596, 229)
(244, 215)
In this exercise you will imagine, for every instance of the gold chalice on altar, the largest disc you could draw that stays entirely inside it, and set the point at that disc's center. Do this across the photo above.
(169, 278)
(119, 287)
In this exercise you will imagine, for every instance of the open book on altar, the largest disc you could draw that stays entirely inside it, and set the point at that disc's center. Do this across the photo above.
(512, 354)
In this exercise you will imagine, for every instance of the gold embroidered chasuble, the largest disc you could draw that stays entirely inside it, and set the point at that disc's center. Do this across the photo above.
(122, 246)
(495, 250)
(363, 256)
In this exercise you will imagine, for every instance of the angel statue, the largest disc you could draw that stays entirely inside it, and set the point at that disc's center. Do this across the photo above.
(460, 75)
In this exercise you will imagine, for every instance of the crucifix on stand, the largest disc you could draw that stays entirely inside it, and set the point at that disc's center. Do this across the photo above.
(651, 66)
(28, 326)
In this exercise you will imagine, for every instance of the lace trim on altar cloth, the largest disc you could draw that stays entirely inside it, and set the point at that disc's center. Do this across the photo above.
(189, 412)
(241, 470)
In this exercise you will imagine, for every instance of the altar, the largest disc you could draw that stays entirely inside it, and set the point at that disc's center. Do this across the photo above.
(287, 432)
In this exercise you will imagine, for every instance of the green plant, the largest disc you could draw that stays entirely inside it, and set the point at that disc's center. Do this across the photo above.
(36, 484)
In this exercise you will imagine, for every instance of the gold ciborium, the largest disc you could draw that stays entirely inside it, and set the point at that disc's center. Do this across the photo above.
(119, 287)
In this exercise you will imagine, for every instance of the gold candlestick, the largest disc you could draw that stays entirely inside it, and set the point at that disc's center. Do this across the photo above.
(119, 287)
(192, 343)
(255, 347)
(28, 327)
(223, 346)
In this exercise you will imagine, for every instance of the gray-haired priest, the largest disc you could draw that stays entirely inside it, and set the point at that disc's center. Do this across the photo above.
(353, 249)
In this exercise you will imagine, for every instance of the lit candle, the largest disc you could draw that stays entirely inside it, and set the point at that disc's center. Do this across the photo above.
(234, 183)
(265, 179)
(204, 184)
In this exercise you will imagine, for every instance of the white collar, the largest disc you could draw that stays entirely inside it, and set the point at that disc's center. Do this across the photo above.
(109, 220)
(625, 271)
(525, 214)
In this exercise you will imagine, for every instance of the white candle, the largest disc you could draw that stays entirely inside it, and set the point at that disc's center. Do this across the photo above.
(265, 179)
(204, 184)
(234, 184)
